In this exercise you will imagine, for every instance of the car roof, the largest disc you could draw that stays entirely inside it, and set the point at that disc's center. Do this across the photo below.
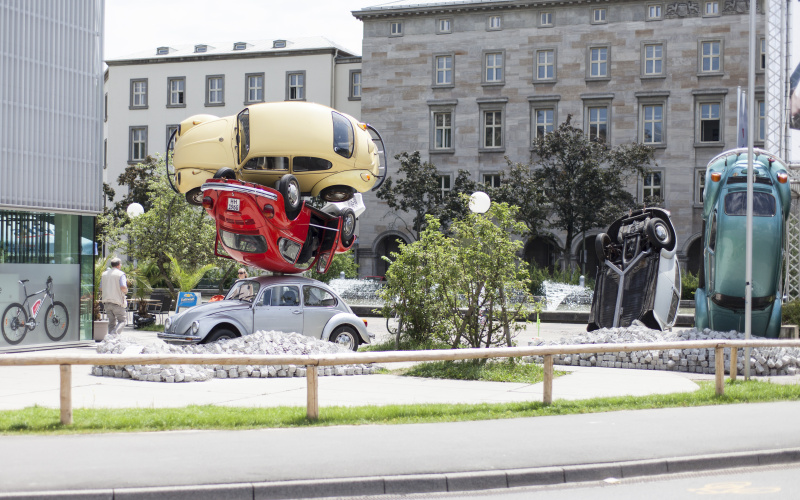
(287, 280)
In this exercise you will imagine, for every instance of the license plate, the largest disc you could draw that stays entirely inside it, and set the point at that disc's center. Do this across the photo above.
(233, 204)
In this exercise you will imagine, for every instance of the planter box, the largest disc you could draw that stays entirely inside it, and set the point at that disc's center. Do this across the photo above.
(100, 330)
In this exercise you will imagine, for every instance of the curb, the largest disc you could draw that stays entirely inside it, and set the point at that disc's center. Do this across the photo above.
(429, 483)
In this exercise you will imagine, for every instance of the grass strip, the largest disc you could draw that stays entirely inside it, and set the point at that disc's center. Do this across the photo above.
(39, 420)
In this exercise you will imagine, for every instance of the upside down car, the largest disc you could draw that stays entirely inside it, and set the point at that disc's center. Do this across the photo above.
(274, 229)
(720, 296)
(331, 155)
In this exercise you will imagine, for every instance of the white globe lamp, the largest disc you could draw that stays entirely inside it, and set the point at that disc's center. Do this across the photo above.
(135, 210)
(479, 202)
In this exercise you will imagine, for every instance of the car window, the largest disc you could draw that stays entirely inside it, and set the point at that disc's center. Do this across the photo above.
(266, 297)
(285, 295)
(248, 243)
(243, 290)
(712, 237)
(243, 134)
(763, 204)
(317, 297)
(267, 163)
(307, 163)
(343, 136)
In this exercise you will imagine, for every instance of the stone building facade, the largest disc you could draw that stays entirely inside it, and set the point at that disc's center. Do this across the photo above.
(468, 83)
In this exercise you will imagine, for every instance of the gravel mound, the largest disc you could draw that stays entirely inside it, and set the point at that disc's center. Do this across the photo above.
(261, 342)
(763, 360)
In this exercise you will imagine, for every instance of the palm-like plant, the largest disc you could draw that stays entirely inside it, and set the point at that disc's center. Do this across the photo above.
(100, 265)
(187, 279)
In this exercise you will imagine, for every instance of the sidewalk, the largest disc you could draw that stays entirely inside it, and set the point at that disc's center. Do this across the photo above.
(377, 459)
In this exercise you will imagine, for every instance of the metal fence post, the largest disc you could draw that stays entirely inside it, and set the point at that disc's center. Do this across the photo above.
(66, 394)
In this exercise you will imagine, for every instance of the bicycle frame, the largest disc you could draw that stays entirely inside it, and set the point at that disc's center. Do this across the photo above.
(36, 306)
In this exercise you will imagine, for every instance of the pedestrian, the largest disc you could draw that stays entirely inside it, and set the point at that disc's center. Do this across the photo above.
(114, 286)
(246, 289)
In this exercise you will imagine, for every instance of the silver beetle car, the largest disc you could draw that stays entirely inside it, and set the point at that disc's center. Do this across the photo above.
(282, 303)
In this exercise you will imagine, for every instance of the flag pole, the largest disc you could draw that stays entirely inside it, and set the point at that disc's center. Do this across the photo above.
(748, 272)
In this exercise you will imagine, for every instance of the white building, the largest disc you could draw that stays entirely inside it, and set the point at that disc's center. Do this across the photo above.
(148, 94)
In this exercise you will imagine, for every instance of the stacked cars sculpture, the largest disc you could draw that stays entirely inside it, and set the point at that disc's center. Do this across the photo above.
(720, 296)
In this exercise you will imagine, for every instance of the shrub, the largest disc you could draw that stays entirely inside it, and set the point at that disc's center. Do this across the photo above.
(790, 313)
(689, 284)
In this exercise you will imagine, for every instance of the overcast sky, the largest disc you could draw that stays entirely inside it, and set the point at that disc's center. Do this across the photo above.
(136, 26)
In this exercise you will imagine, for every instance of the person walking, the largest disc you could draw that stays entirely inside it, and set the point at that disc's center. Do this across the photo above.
(114, 286)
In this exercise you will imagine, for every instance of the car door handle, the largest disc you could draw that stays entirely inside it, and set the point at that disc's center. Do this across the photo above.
(297, 312)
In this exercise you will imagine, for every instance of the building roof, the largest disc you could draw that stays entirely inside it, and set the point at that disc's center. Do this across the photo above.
(394, 7)
(250, 47)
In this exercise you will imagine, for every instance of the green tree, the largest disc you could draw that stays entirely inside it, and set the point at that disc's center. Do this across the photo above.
(341, 262)
(585, 181)
(419, 192)
(521, 187)
(169, 226)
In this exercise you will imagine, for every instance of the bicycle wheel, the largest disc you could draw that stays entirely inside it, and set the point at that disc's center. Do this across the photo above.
(56, 321)
(14, 325)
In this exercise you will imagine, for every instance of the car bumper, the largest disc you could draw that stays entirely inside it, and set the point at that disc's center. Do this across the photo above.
(172, 338)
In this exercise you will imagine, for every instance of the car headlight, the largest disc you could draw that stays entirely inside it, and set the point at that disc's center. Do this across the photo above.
(167, 324)
(195, 327)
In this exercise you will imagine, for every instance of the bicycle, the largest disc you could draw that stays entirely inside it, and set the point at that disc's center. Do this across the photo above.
(16, 322)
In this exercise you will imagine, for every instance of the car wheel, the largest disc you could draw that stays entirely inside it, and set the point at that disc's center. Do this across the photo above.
(336, 194)
(345, 336)
(659, 234)
(290, 190)
(601, 243)
(221, 334)
(348, 226)
(195, 197)
(225, 173)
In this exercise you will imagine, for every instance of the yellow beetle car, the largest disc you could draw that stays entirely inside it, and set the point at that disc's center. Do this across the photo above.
(326, 153)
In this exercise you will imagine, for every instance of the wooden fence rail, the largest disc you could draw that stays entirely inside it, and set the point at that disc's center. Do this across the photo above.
(311, 362)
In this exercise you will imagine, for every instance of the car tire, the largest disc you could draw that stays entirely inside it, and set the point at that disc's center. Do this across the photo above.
(290, 190)
(659, 234)
(225, 173)
(601, 242)
(221, 334)
(195, 197)
(348, 226)
(336, 194)
(345, 336)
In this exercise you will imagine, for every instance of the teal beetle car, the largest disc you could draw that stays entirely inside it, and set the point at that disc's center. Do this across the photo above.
(720, 296)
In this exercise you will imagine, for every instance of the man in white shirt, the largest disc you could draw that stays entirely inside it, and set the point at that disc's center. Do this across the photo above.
(114, 286)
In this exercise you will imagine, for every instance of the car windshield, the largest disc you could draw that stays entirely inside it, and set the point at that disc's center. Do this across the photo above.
(763, 204)
(248, 243)
(243, 290)
(243, 134)
(343, 135)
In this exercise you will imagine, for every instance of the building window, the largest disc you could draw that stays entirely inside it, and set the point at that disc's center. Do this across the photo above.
(492, 129)
(355, 85)
(545, 19)
(176, 88)
(652, 124)
(444, 184)
(493, 67)
(710, 123)
(105, 108)
(762, 54)
(444, 26)
(699, 185)
(711, 8)
(279, 44)
(239, 46)
(296, 86)
(597, 123)
(653, 59)
(599, 16)
(254, 87)
(545, 65)
(543, 121)
(443, 70)
(396, 28)
(653, 12)
(443, 130)
(215, 90)
(494, 23)
(199, 49)
(711, 56)
(139, 94)
(105, 154)
(171, 129)
(598, 62)
(162, 51)
(138, 144)
(761, 110)
(653, 188)
(491, 180)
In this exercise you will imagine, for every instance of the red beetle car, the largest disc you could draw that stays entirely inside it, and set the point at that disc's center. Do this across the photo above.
(273, 229)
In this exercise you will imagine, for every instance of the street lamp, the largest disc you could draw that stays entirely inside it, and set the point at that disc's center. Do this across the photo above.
(479, 202)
